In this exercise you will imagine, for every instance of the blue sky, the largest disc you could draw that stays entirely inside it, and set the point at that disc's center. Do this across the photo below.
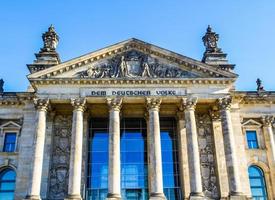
(246, 29)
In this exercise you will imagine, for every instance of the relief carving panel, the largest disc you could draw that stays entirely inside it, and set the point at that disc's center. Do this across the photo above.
(133, 64)
(60, 160)
(207, 156)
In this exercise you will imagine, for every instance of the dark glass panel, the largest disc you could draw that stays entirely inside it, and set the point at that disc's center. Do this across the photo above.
(7, 184)
(9, 143)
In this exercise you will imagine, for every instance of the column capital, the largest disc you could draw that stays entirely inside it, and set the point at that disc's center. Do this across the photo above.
(267, 120)
(79, 104)
(215, 115)
(114, 103)
(41, 104)
(225, 103)
(153, 103)
(189, 103)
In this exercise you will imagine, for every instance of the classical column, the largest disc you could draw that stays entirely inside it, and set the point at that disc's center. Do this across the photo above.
(230, 149)
(37, 163)
(189, 105)
(267, 123)
(155, 160)
(114, 192)
(74, 188)
(183, 155)
(219, 153)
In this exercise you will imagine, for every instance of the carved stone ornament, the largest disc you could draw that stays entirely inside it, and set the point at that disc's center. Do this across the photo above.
(189, 103)
(114, 103)
(210, 40)
(60, 160)
(207, 156)
(79, 104)
(225, 103)
(267, 120)
(1, 85)
(133, 64)
(215, 115)
(41, 104)
(50, 39)
(153, 103)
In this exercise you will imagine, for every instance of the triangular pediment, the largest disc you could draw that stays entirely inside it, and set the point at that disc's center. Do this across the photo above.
(132, 59)
(251, 122)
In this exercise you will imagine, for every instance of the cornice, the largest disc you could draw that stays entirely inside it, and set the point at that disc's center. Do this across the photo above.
(190, 63)
(16, 99)
(85, 81)
(251, 97)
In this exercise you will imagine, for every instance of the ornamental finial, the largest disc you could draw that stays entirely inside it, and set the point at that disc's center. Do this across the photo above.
(50, 39)
(210, 40)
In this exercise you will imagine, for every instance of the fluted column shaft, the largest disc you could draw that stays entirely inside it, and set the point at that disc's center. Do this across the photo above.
(193, 148)
(155, 160)
(74, 188)
(230, 147)
(114, 190)
(36, 175)
(267, 122)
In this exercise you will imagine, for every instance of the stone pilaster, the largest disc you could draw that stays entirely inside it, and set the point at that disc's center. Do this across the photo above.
(267, 124)
(155, 160)
(37, 163)
(230, 149)
(183, 155)
(114, 190)
(74, 188)
(189, 105)
(219, 153)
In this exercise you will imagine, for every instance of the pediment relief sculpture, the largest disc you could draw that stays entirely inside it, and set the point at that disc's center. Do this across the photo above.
(133, 64)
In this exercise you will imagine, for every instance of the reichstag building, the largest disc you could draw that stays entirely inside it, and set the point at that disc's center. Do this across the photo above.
(134, 121)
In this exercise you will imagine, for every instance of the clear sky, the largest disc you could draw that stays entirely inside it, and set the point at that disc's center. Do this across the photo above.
(246, 29)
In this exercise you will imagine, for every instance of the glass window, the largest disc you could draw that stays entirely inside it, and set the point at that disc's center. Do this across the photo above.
(170, 165)
(97, 181)
(9, 143)
(252, 142)
(257, 183)
(133, 143)
(7, 184)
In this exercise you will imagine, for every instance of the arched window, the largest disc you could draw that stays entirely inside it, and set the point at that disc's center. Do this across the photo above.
(7, 184)
(257, 183)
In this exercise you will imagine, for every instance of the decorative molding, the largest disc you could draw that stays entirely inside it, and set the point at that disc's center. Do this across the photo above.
(114, 103)
(250, 123)
(153, 103)
(189, 103)
(225, 103)
(79, 104)
(267, 120)
(41, 104)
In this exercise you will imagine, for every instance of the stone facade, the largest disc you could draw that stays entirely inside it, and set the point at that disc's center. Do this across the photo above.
(136, 79)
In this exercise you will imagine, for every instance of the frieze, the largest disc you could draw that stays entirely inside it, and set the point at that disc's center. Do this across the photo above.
(59, 172)
(207, 156)
(133, 64)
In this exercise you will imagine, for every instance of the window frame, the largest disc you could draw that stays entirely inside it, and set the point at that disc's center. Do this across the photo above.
(5, 170)
(9, 127)
(257, 140)
(252, 125)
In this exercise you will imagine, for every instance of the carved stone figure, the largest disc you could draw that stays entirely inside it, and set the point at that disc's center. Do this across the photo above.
(1, 85)
(210, 40)
(59, 172)
(50, 39)
(207, 156)
(133, 64)
(260, 87)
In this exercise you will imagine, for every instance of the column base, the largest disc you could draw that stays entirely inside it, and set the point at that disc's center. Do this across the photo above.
(32, 197)
(73, 197)
(157, 196)
(111, 196)
(197, 196)
(237, 196)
